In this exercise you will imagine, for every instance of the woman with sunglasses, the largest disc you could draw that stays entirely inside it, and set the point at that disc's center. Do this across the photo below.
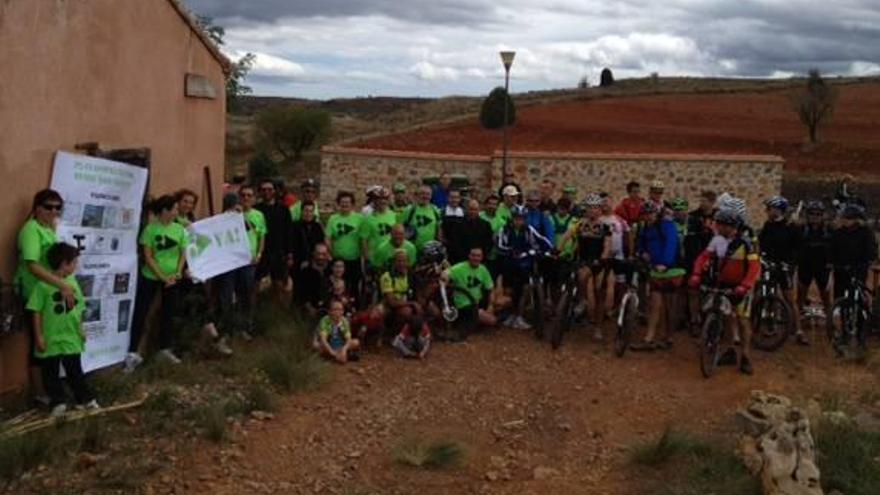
(34, 240)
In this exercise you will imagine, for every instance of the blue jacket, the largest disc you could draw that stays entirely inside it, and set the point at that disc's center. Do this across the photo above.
(660, 241)
(439, 196)
(512, 244)
(541, 222)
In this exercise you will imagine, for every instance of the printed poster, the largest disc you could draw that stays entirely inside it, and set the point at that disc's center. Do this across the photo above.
(102, 211)
(217, 245)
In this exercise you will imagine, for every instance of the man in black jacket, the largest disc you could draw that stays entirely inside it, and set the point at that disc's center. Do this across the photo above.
(277, 257)
(853, 248)
(468, 233)
(305, 234)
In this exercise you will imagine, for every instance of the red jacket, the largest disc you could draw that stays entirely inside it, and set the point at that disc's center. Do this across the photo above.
(630, 209)
(740, 267)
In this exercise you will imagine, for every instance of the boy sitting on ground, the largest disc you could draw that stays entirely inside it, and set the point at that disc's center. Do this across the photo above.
(333, 339)
(58, 333)
(414, 339)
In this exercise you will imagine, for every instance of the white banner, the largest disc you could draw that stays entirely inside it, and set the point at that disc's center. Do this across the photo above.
(217, 245)
(102, 211)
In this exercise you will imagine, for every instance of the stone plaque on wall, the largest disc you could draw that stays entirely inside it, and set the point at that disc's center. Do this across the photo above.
(199, 86)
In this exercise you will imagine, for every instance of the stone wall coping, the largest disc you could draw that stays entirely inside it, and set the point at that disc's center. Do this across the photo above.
(417, 155)
(555, 155)
(677, 157)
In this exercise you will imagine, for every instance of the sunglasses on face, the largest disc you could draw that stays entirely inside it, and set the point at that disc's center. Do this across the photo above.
(52, 206)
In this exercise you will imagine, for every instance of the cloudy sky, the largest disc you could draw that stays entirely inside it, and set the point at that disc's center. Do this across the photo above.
(343, 48)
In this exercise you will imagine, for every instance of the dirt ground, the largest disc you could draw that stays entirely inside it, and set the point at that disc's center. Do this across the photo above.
(513, 403)
(740, 123)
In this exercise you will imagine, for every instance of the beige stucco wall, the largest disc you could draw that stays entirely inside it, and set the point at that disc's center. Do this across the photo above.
(753, 178)
(108, 71)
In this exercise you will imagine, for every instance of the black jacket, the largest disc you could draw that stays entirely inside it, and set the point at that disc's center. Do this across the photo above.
(464, 234)
(278, 224)
(856, 247)
(779, 241)
(304, 236)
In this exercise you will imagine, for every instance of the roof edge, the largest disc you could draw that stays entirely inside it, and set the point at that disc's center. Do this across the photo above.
(215, 52)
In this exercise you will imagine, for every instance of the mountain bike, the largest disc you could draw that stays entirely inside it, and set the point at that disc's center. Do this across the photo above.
(717, 307)
(569, 295)
(772, 319)
(851, 315)
(535, 289)
(628, 318)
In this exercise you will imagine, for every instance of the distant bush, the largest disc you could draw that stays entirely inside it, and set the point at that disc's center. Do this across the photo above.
(261, 165)
(492, 112)
(607, 78)
(584, 83)
(291, 131)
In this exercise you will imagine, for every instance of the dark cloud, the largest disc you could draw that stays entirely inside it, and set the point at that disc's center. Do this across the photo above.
(429, 12)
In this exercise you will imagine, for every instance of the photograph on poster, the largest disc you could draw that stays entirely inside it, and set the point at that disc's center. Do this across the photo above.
(123, 315)
(120, 283)
(93, 216)
(92, 312)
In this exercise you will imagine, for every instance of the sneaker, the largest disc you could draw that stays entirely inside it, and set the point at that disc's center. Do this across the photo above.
(58, 410)
(246, 336)
(88, 406)
(509, 322)
(521, 324)
(209, 331)
(169, 356)
(802, 339)
(728, 358)
(132, 361)
(580, 309)
(42, 400)
(745, 366)
(597, 335)
(222, 348)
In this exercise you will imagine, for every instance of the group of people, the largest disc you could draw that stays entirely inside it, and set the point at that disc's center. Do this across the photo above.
(383, 271)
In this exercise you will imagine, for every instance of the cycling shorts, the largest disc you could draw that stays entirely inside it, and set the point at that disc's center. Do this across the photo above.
(814, 272)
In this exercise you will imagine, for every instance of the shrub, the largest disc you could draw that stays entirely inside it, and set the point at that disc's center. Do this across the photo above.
(492, 111)
(429, 454)
(291, 131)
(212, 418)
(261, 166)
(848, 458)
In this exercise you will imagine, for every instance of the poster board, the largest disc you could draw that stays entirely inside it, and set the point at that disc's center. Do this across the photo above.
(102, 211)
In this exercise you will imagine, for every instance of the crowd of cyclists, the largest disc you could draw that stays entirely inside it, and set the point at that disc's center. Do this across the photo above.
(405, 264)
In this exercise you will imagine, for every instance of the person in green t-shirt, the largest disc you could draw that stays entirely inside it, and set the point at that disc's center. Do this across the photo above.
(333, 337)
(309, 190)
(563, 220)
(395, 285)
(401, 200)
(343, 237)
(422, 219)
(381, 257)
(473, 278)
(497, 221)
(59, 339)
(163, 242)
(509, 198)
(377, 226)
(34, 240)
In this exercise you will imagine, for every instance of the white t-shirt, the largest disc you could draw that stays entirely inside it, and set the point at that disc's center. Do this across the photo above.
(453, 211)
(718, 246)
(618, 228)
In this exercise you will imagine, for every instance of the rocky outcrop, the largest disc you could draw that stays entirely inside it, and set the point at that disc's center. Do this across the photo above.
(778, 446)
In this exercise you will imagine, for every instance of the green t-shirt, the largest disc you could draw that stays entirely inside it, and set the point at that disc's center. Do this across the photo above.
(336, 334)
(344, 231)
(504, 212)
(393, 283)
(473, 280)
(496, 222)
(34, 241)
(382, 257)
(561, 225)
(183, 221)
(296, 212)
(167, 243)
(60, 324)
(376, 228)
(425, 219)
(255, 223)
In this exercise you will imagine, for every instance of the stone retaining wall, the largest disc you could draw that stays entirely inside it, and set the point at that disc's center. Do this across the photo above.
(752, 177)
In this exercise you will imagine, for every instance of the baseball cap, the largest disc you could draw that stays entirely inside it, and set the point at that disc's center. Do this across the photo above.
(510, 191)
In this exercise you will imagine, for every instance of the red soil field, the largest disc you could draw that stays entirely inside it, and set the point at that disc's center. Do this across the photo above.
(730, 123)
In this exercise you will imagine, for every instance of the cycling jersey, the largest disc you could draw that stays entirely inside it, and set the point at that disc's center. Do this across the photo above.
(735, 260)
(630, 209)
(513, 243)
(660, 242)
(591, 237)
(619, 229)
(779, 241)
(541, 222)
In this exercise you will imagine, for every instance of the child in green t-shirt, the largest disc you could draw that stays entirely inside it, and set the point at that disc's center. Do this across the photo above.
(333, 339)
(59, 339)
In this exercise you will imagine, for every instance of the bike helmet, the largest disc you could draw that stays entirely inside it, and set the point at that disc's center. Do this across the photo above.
(433, 252)
(309, 184)
(593, 199)
(853, 211)
(778, 203)
(399, 187)
(381, 192)
(373, 190)
(816, 207)
(518, 211)
(727, 216)
(658, 185)
(649, 208)
(679, 204)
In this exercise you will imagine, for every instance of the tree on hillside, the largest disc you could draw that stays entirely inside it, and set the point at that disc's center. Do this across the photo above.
(492, 112)
(290, 131)
(238, 71)
(814, 103)
(584, 83)
(607, 78)
(262, 166)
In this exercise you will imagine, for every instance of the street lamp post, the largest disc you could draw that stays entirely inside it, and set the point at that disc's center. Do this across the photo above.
(507, 60)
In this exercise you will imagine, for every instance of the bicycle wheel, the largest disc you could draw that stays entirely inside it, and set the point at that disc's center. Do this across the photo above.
(629, 320)
(538, 310)
(564, 315)
(710, 344)
(771, 321)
